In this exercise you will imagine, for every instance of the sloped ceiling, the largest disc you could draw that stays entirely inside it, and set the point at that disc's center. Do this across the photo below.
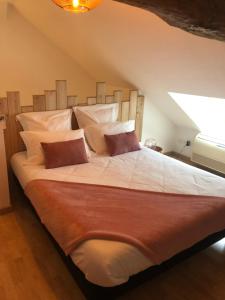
(129, 46)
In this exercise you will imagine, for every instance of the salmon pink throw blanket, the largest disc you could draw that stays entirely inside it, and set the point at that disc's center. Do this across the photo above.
(158, 224)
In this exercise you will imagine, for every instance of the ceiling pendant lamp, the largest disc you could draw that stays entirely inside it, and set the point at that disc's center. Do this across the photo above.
(77, 6)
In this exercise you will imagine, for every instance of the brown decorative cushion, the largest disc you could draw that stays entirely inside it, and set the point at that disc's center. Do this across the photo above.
(65, 153)
(122, 143)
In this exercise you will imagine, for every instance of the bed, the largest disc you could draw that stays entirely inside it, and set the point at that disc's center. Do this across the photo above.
(110, 263)
(144, 170)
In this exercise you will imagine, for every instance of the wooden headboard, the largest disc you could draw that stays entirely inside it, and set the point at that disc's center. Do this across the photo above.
(130, 109)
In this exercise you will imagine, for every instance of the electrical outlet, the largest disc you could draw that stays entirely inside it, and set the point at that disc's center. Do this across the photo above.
(188, 143)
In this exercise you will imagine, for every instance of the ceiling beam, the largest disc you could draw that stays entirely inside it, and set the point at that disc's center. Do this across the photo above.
(201, 17)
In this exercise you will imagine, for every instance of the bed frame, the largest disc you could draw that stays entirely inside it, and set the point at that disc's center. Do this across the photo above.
(129, 109)
(94, 292)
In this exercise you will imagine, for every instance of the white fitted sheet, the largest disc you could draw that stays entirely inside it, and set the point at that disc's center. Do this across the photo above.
(110, 263)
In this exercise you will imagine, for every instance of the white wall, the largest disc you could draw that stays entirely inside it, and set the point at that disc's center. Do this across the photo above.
(129, 46)
(182, 134)
(124, 44)
(117, 52)
(156, 125)
(138, 51)
(30, 63)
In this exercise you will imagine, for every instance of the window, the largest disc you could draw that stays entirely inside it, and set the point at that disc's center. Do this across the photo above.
(207, 113)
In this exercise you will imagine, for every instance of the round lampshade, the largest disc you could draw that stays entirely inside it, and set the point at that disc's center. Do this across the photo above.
(77, 6)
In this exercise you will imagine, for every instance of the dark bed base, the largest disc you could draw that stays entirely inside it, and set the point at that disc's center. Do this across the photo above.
(94, 292)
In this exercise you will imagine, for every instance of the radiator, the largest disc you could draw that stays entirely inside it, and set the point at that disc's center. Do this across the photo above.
(208, 154)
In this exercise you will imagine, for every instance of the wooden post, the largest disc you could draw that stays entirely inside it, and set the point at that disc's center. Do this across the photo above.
(50, 100)
(39, 103)
(139, 116)
(100, 92)
(61, 94)
(118, 95)
(5, 205)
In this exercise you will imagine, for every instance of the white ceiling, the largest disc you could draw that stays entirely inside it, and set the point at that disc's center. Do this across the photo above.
(126, 45)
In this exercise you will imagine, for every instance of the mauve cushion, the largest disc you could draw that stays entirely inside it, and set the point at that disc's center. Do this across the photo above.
(122, 143)
(60, 154)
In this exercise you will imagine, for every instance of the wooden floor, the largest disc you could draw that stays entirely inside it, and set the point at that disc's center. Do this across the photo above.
(31, 268)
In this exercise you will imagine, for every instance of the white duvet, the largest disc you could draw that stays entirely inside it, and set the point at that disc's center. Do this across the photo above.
(110, 263)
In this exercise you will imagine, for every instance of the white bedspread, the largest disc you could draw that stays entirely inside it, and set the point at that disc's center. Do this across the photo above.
(110, 263)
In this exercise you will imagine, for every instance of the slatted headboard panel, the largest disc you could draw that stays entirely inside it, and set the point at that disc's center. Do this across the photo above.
(130, 109)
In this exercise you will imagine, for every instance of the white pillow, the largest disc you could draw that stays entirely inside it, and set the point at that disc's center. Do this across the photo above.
(95, 133)
(57, 120)
(33, 139)
(95, 114)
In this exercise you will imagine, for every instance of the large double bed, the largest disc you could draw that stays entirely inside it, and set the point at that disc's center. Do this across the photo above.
(110, 263)
(183, 207)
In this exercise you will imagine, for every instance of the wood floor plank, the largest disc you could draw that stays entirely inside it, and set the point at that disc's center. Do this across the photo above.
(30, 267)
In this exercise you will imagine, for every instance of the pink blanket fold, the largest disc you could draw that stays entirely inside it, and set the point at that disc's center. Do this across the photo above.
(158, 224)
